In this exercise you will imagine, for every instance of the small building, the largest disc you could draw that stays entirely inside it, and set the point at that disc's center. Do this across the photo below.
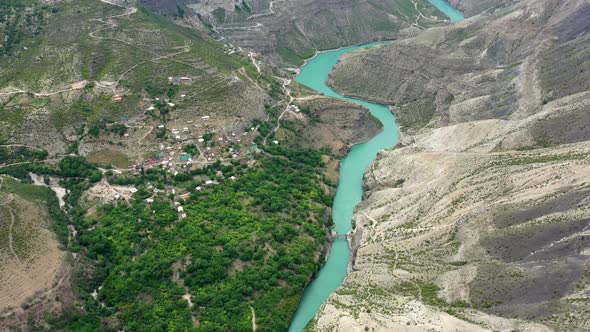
(149, 200)
(186, 157)
(275, 142)
(117, 98)
(206, 117)
(198, 188)
(180, 209)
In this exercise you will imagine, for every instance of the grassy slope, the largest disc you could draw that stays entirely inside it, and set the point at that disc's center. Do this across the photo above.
(64, 53)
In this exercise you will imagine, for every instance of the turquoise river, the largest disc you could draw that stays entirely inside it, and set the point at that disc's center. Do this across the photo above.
(350, 187)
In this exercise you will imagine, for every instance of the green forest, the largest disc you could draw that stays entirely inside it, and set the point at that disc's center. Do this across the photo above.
(252, 243)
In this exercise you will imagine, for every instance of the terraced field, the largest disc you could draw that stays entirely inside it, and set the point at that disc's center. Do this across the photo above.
(30, 254)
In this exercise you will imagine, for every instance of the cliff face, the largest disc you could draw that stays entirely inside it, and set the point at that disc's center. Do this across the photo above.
(480, 219)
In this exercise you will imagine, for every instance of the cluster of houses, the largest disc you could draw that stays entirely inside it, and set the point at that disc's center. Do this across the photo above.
(175, 159)
(230, 49)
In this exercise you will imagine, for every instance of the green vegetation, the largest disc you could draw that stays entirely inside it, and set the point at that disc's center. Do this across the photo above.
(253, 242)
(17, 23)
(44, 196)
(416, 114)
(427, 292)
(109, 157)
(191, 149)
(63, 52)
(219, 14)
(529, 159)
(17, 154)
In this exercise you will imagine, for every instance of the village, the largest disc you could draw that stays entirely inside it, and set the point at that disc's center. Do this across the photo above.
(186, 146)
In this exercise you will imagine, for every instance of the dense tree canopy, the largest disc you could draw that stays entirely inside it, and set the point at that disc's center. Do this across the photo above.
(255, 241)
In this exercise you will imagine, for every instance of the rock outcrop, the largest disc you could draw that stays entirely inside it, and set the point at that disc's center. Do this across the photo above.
(332, 124)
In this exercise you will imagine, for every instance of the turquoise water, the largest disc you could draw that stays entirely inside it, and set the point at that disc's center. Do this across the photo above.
(446, 8)
(350, 186)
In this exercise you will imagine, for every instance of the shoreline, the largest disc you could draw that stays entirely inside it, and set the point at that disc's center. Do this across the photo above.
(317, 52)
(382, 113)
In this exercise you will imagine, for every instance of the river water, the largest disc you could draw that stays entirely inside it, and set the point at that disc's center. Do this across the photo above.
(350, 186)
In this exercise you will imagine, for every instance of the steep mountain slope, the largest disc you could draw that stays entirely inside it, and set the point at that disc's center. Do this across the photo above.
(290, 31)
(479, 220)
(93, 64)
(478, 68)
(473, 7)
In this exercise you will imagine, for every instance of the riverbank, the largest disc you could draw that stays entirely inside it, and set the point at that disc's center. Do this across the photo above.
(476, 222)
(350, 186)
(314, 75)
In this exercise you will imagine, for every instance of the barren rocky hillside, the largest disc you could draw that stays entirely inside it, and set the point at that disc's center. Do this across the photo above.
(480, 218)
(501, 65)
